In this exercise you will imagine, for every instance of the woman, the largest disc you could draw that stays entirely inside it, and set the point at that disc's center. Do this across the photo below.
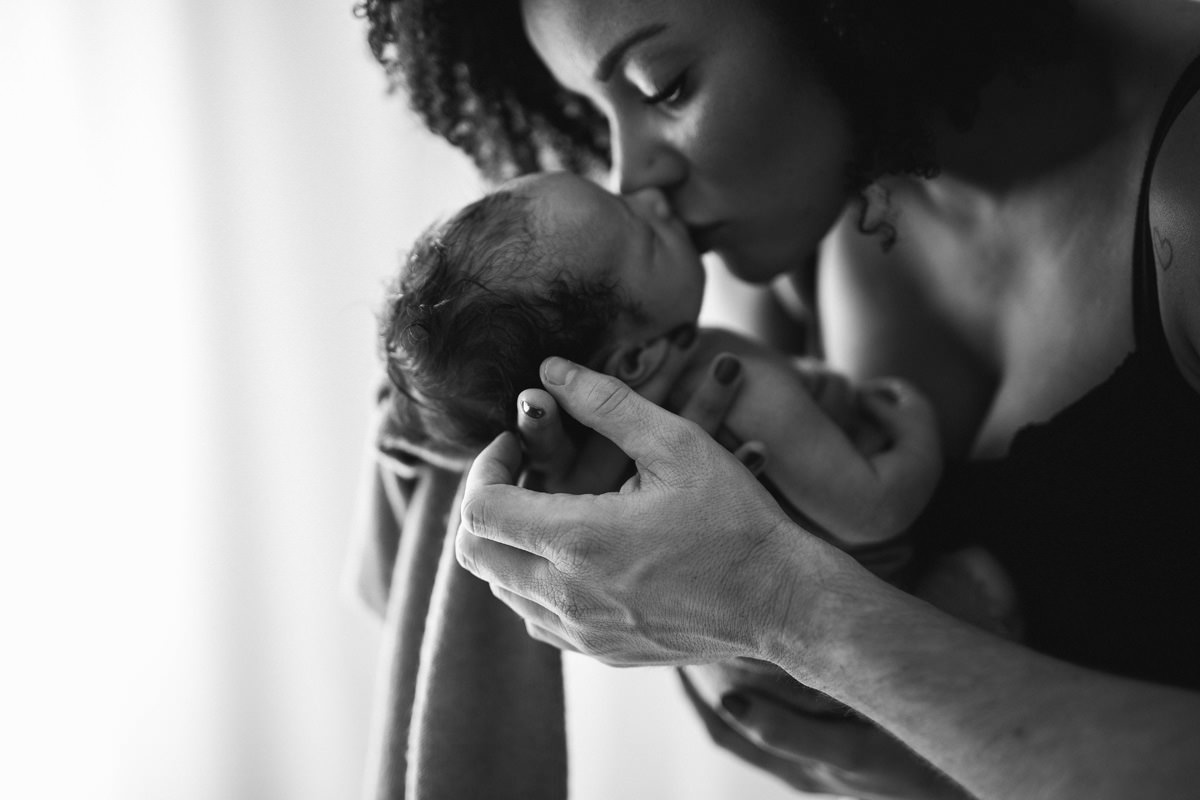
(977, 177)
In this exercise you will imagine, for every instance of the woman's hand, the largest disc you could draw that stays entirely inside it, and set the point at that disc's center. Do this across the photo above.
(691, 561)
(834, 756)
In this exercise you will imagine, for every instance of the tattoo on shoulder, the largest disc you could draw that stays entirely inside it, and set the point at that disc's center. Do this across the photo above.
(1163, 250)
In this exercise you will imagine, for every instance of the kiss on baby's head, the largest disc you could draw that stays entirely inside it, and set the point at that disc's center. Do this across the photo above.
(515, 277)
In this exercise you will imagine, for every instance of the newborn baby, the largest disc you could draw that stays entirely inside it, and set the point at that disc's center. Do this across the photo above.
(554, 265)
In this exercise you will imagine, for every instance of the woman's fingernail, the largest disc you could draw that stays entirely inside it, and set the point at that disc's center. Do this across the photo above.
(631, 359)
(557, 371)
(684, 336)
(532, 411)
(754, 461)
(736, 705)
(888, 394)
(726, 370)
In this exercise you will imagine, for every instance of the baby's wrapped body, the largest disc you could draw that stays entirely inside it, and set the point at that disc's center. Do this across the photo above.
(553, 265)
(855, 466)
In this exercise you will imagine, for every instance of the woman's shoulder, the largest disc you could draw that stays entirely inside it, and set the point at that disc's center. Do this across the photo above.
(1175, 229)
(885, 312)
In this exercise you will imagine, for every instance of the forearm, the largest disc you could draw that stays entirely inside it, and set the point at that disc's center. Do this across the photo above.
(1003, 721)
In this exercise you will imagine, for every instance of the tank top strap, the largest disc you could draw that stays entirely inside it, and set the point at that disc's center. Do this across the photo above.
(1147, 326)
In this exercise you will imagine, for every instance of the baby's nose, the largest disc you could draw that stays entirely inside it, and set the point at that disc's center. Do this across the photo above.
(650, 201)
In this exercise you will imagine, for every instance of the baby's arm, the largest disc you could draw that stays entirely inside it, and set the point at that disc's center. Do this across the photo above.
(859, 463)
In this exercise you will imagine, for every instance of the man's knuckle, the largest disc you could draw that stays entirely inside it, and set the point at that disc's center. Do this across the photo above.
(474, 513)
(609, 397)
(544, 539)
(575, 555)
(462, 550)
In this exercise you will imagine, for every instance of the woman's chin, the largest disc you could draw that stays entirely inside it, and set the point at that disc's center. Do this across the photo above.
(755, 268)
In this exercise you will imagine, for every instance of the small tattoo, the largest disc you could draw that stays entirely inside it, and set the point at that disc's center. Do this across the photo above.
(1163, 250)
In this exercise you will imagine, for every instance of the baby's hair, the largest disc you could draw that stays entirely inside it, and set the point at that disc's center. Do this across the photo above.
(472, 315)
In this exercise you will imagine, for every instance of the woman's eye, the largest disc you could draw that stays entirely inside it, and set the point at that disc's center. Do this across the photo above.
(669, 95)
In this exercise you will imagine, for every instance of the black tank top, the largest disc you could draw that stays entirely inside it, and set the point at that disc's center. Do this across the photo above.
(1096, 513)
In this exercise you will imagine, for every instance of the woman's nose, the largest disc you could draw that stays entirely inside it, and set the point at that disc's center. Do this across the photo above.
(642, 160)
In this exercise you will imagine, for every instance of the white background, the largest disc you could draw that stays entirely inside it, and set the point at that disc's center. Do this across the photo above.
(199, 204)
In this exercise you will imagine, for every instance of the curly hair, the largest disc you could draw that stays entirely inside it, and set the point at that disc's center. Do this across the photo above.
(474, 79)
(470, 319)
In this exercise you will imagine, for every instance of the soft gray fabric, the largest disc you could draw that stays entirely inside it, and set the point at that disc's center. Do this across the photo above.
(467, 705)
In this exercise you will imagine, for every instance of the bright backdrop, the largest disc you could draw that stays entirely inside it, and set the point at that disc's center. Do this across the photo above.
(199, 203)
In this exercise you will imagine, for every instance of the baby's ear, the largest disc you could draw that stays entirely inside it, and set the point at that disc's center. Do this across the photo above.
(637, 362)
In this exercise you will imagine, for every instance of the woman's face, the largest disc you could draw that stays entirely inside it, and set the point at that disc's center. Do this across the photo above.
(709, 101)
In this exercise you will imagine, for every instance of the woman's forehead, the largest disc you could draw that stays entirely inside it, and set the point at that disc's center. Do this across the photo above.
(588, 29)
(586, 19)
(582, 42)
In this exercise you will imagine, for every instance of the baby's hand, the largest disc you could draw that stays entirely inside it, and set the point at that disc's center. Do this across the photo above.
(848, 459)
(858, 461)
(835, 395)
(907, 462)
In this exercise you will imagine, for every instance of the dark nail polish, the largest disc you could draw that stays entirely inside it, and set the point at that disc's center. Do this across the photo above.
(631, 359)
(888, 394)
(735, 705)
(727, 370)
(754, 461)
(684, 336)
(532, 411)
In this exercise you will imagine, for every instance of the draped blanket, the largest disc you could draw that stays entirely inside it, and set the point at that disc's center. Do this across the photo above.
(467, 705)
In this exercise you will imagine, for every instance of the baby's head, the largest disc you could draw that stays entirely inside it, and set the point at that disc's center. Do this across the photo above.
(546, 265)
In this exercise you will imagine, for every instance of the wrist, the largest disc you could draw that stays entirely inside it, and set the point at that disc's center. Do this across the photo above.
(817, 589)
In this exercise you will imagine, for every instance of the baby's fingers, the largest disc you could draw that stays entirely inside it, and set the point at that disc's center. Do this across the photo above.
(909, 466)
(548, 449)
(904, 413)
(753, 455)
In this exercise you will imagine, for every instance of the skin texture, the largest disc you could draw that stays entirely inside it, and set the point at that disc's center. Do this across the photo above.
(744, 89)
(1005, 298)
(974, 705)
(860, 463)
(632, 240)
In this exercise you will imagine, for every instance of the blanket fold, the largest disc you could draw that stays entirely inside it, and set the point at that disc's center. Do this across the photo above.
(466, 704)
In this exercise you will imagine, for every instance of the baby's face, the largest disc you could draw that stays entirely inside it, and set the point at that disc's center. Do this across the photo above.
(633, 240)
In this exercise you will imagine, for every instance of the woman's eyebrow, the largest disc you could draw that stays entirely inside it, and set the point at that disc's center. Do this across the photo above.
(608, 63)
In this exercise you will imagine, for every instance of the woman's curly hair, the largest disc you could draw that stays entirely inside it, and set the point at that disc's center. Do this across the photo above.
(474, 79)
